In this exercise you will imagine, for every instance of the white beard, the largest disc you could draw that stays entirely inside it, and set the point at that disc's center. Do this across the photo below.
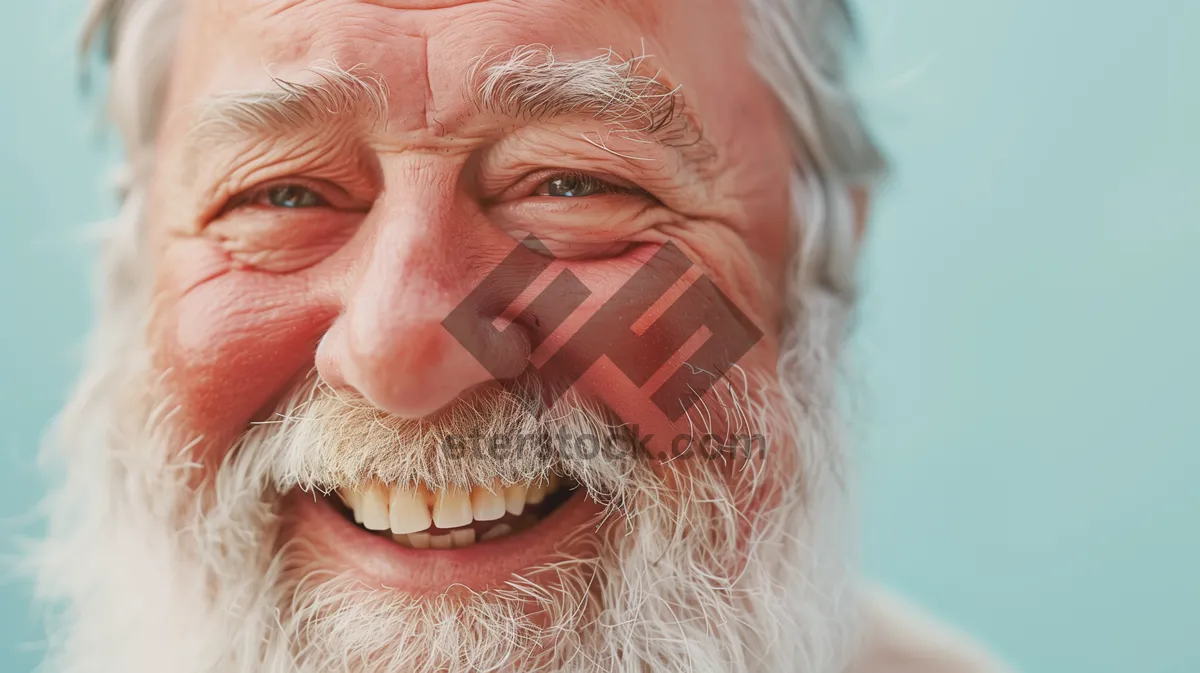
(151, 579)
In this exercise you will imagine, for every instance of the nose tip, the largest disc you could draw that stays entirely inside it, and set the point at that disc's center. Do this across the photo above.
(411, 371)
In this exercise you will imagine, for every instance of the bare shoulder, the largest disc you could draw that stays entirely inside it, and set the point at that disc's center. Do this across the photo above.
(898, 637)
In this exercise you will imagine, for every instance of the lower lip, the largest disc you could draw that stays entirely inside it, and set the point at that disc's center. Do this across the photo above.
(378, 560)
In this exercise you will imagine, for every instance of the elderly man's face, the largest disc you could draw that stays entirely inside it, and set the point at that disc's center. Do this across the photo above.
(331, 219)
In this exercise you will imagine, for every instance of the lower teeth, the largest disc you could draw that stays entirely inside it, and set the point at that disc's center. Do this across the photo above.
(464, 537)
(499, 530)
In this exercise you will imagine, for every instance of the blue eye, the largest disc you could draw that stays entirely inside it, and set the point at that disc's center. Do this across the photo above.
(294, 196)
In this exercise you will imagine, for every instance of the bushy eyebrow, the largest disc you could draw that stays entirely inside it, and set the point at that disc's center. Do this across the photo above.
(335, 96)
(527, 83)
(531, 83)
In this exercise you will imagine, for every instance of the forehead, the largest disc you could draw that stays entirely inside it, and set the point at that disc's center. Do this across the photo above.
(287, 28)
(424, 48)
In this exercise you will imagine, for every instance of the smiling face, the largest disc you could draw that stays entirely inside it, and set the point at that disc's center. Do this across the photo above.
(333, 181)
(359, 221)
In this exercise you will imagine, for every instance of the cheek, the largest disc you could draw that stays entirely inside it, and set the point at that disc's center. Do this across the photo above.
(673, 331)
(715, 413)
(753, 281)
(231, 343)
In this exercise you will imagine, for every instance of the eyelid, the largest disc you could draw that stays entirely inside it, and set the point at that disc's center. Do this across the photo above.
(334, 196)
(525, 186)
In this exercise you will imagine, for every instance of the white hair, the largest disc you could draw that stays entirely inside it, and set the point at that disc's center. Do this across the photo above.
(117, 488)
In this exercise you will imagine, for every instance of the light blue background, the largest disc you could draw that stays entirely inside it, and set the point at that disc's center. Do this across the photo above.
(1027, 360)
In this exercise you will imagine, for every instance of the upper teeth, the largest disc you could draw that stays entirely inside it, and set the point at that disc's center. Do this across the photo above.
(405, 509)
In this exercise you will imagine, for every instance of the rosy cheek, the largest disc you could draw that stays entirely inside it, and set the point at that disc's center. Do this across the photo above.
(697, 319)
(237, 316)
(749, 279)
(233, 344)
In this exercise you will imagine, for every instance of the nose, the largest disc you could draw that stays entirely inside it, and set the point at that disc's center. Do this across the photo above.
(389, 344)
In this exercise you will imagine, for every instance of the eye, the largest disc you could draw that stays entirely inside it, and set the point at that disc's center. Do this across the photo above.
(290, 196)
(576, 185)
(297, 194)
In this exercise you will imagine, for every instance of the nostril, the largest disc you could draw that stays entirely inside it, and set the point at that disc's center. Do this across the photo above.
(326, 359)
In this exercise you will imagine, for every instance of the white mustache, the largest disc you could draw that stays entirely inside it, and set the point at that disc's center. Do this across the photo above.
(322, 439)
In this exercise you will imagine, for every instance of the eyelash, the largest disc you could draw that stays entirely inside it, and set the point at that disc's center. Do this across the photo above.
(587, 180)
(534, 181)
(260, 195)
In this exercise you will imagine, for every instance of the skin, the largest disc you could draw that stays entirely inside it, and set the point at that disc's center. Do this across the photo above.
(251, 297)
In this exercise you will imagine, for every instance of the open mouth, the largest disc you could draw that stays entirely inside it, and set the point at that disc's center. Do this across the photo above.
(453, 517)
